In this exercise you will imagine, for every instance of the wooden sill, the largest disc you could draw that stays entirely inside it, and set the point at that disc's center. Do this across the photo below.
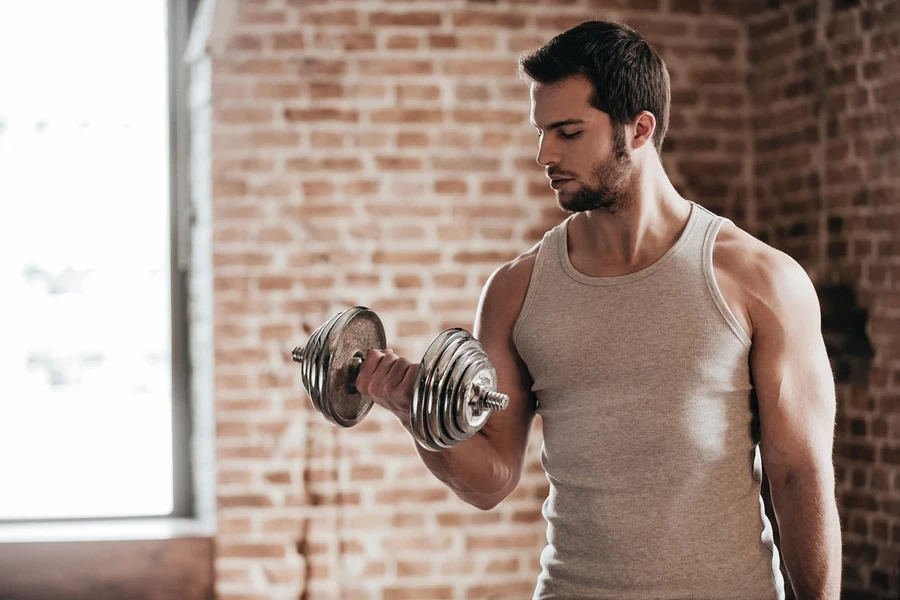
(152, 560)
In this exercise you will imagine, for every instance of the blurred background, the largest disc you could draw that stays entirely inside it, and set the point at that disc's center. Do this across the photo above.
(191, 187)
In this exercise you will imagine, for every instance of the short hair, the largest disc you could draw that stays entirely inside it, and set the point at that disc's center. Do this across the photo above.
(627, 74)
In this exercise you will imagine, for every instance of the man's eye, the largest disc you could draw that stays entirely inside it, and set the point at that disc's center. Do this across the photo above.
(567, 136)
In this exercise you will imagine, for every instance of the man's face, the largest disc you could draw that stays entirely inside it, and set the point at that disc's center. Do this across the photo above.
(584, 147)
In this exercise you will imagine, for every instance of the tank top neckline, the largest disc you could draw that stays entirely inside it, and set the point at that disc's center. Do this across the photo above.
(562, 246)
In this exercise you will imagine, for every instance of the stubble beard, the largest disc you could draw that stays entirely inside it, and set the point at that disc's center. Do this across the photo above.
(610, 193)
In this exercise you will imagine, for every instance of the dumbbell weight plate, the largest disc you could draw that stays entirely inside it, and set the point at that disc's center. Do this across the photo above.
(461, 362)
(450, 434)
(469, 418)
(437, 385)
(357, 331)
(314, 367)
(430, 399)
(417, 409)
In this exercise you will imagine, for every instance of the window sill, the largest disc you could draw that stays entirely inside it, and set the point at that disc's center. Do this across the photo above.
(102, 531)
(152, 559)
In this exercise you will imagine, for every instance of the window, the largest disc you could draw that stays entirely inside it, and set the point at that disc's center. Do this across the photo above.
(93, 362)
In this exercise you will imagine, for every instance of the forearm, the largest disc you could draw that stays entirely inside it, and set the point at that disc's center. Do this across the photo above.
(474, 470)
(810, 532)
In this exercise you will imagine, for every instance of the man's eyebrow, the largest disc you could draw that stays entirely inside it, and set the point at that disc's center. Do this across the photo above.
(557, 124)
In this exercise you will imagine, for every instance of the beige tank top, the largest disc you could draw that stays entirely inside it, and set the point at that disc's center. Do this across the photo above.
(650, 429)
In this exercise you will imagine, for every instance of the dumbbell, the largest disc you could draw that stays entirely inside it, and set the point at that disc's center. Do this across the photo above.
(455, 388)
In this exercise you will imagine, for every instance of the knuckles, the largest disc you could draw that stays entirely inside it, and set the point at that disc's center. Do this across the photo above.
(372, 379)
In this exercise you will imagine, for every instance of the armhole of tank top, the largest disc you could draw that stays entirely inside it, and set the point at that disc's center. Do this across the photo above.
(713, 287)
(531, 292)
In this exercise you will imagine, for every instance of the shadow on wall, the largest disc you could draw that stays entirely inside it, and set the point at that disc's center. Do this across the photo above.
(844, 331)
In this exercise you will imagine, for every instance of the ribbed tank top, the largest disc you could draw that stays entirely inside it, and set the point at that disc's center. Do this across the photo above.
(650, 431)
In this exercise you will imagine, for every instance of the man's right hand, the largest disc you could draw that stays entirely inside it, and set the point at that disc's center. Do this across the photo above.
(388, 380)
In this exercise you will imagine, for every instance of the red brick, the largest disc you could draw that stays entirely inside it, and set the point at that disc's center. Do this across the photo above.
(398, 163)
(418, 593)
(320, 115)
(259, 17)
(489, 116)
(503, 540)
(472, 18)
(417, 543)
(418, 258)
(395, 67)
(346, 17)
(399, 495)
(411, 91)
(243, 116)
(402, 42)
(288, 41)
(500, 590)
(414, 19)
(479, 67)
(245, 42)
(407, 116)
(366, 473)
(244, 501)
(408, 568)
(442, 41)
(412, 140)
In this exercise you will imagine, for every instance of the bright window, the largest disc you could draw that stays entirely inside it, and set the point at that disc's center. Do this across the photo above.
(86, 426)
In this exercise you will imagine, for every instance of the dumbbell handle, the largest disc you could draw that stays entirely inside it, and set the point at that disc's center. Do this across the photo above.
(352, 369)
(484, 397)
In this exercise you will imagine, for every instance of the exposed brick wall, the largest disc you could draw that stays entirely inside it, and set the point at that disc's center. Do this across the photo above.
(379, 153)
(825, 88)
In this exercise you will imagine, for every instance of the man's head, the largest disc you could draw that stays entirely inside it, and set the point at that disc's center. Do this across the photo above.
(600, 100)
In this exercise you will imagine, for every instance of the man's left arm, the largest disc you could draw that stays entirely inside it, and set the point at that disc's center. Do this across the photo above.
(795, 389)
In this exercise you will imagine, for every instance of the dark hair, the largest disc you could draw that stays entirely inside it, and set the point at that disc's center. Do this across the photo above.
(627, 74)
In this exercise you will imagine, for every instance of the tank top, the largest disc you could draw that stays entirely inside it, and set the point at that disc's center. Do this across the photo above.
(650, 429)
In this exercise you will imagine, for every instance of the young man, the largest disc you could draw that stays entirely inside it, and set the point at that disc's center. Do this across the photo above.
(669, 353)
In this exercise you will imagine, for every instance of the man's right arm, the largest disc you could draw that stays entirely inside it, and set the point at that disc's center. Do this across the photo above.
(486, 468)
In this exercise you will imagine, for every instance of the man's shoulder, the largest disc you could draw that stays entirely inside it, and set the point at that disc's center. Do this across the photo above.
(743, 254)
(505, 290)
(766, 276)
(517, 272)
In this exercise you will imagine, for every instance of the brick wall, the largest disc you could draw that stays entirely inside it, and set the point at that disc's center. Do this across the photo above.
(379, 153)
(825, 89)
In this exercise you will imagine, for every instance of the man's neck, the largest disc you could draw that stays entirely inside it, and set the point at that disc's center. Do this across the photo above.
(634, 237)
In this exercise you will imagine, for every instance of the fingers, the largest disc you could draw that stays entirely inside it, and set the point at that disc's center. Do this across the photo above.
(380, 374)
(409, 379)
(397, 372)
(367, 373)
(381, 379)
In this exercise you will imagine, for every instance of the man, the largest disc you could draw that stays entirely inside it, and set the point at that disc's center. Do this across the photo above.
(669, 353)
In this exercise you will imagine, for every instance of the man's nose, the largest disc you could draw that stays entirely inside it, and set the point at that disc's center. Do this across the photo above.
(547, 155)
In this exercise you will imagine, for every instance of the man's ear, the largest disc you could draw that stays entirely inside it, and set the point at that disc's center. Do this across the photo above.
(644, 126)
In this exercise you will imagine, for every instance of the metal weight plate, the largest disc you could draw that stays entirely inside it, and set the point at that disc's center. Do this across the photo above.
(455, 368)
(424, 387)
(416, 412)
(462, 360)
(437, 383)
(429, 395)
(471, 419)
(355, 333)
(486, 378)
(313, 363)
(325, 361)
(464, 395)
(321, 364)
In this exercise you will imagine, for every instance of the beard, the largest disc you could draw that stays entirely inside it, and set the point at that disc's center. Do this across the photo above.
(610, 194)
